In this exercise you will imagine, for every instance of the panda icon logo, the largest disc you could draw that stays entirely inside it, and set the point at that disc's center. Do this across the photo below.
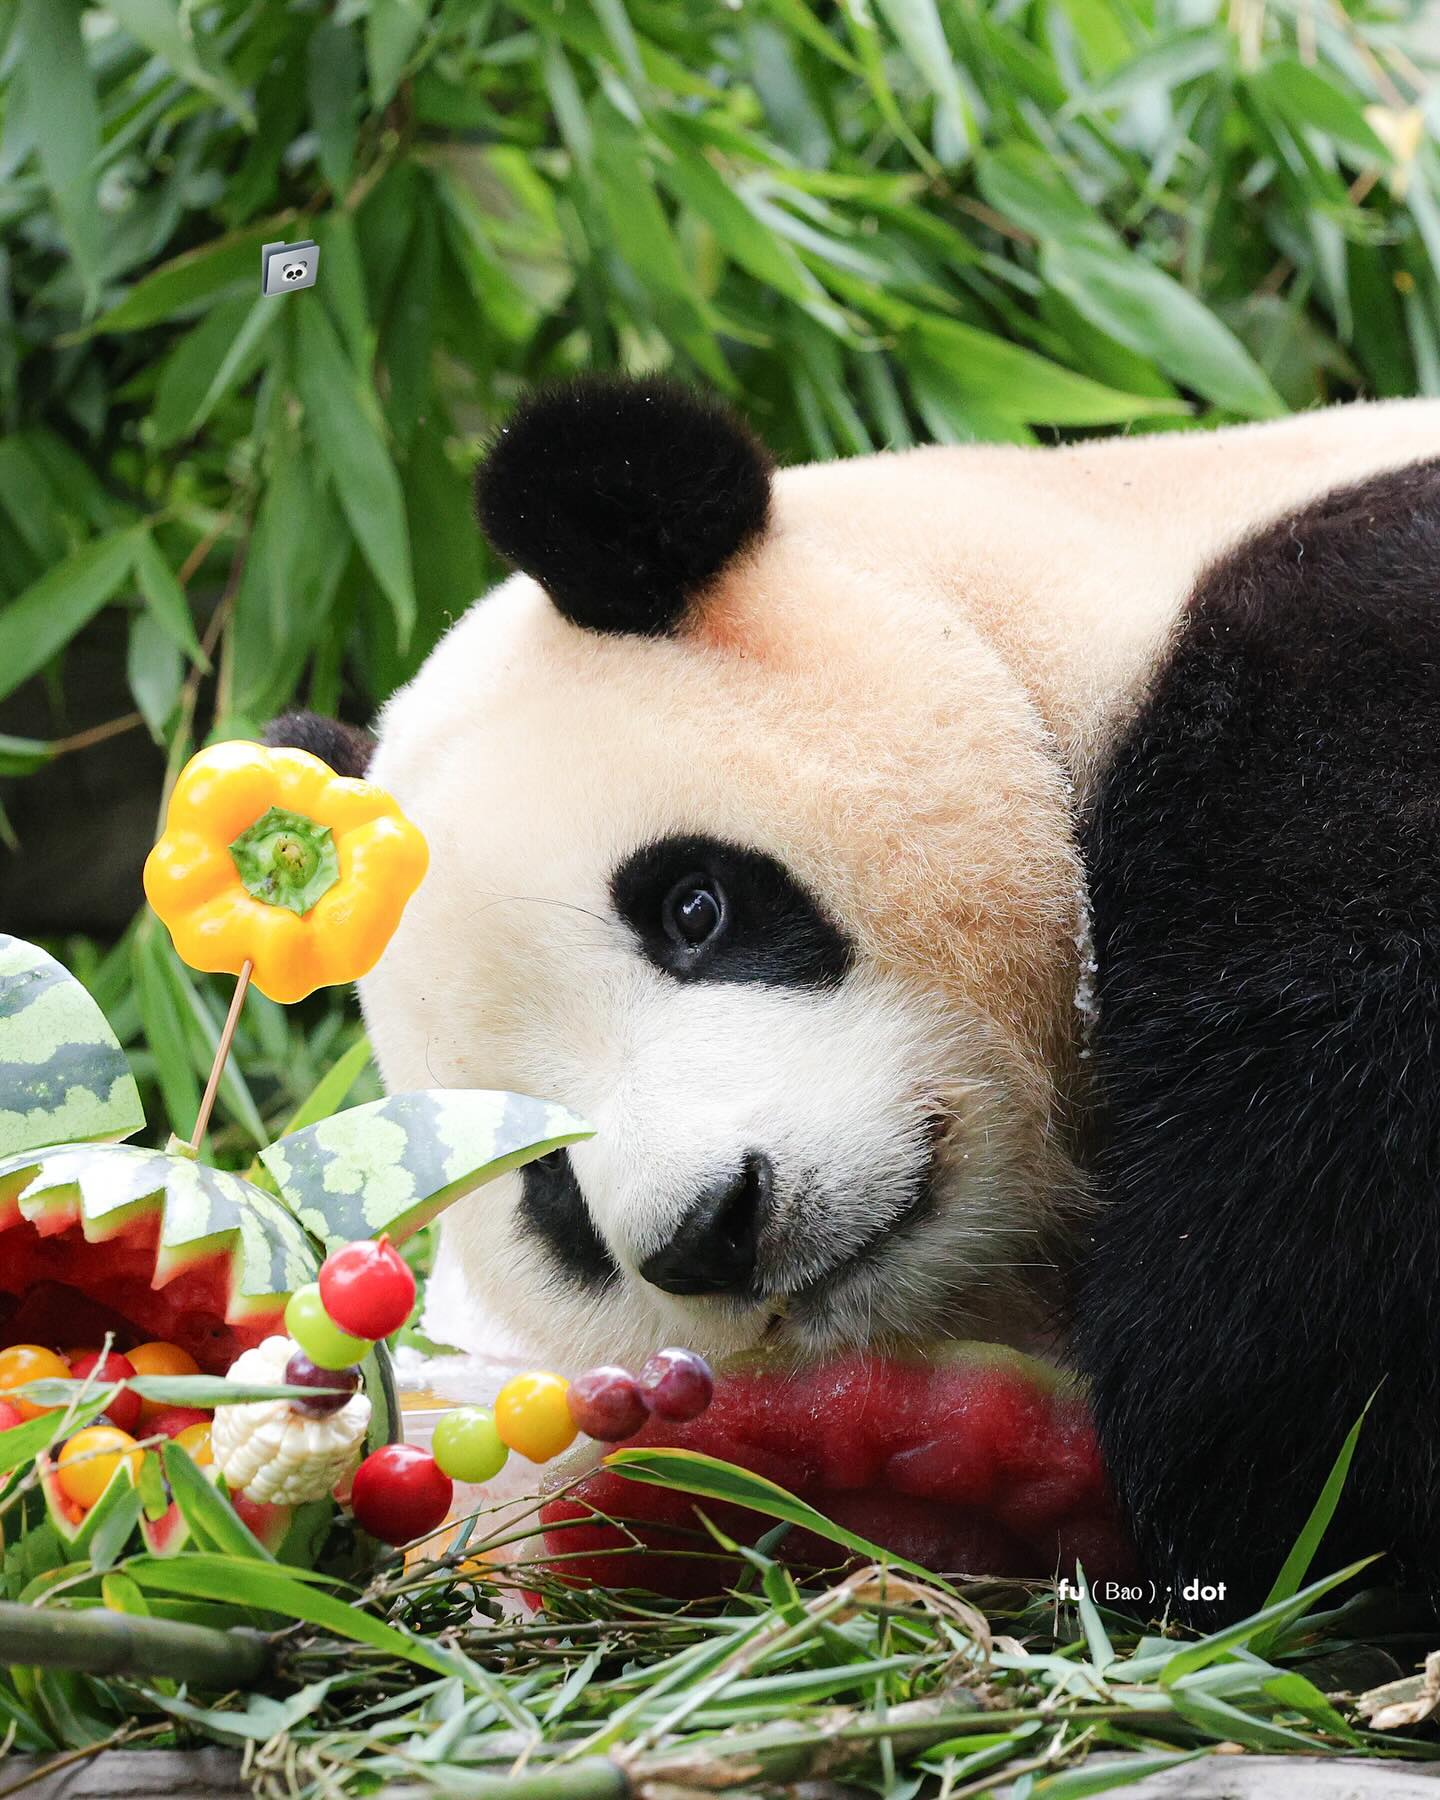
(284, 268)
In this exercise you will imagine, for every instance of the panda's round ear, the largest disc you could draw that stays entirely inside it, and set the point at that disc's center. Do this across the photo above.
(347, 748)
(623, 498)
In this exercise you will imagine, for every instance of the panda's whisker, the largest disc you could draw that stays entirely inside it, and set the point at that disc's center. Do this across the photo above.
(610, 924)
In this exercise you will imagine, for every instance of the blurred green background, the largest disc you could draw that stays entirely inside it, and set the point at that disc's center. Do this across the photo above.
(869, 223)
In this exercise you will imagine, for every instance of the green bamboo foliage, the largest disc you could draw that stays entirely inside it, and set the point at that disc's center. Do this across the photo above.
(868, 222)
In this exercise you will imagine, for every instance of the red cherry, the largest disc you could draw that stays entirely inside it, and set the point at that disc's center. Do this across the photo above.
(606, 1404)
(367, 1288)
(122, 1409)
(399, 1493)
(677, 1384)
(170, 1421)
(9, 1415)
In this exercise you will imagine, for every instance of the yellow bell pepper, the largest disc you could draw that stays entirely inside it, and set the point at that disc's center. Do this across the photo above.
(271, 858)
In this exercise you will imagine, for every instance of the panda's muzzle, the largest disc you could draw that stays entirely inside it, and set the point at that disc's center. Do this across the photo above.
(715, 1249)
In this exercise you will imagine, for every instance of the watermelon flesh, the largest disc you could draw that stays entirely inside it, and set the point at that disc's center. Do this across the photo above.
(147, 1246)
(980, 1461)
(62, 1290)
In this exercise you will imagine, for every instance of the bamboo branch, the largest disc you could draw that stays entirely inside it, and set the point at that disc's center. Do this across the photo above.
(97, 1642)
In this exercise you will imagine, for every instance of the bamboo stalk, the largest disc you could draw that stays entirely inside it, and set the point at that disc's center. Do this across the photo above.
(597, 1778)
(786, 1751)
(222, 1054)
(97, 1642)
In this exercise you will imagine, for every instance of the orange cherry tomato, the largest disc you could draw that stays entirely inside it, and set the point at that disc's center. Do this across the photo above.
(30, 1362)
(90, 1458)
(160, 1359)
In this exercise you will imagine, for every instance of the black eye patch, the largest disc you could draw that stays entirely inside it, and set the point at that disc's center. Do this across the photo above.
(552, 1210)
(704, 910)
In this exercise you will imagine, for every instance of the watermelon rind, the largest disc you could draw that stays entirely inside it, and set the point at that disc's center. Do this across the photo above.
(394, 1164)
(203, 1211)
(63, 1076)
(118, 1493)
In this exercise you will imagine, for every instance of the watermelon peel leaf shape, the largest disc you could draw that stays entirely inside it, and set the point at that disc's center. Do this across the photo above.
(393, 1165)
(63, 1077)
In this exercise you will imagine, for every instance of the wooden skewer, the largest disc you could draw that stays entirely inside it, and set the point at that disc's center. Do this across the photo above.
(222, 1053)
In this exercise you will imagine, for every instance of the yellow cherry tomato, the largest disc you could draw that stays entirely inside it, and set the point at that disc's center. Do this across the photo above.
(160, 1359)
(196, 1439)
(533, 1416)
(270, 857)
(30, 1362)
(90, 1458)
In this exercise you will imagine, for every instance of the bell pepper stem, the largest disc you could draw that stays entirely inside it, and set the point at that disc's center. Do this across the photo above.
(222, 1052)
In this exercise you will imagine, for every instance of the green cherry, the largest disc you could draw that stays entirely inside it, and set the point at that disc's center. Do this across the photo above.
(322, 1340)
(467, 1446)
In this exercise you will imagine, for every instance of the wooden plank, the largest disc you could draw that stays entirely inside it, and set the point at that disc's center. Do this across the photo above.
(1281, 1778)
(132, 1775)
(215, 1775)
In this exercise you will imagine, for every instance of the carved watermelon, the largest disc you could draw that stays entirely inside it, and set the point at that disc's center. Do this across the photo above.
(99, 1236)
(974, 1459)
(289, 1533)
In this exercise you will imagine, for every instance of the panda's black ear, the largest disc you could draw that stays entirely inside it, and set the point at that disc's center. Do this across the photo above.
(347, 748)
(623, 498)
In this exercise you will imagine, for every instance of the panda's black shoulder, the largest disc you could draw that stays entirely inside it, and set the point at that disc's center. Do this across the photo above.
(1301, 688)
(1263, 856)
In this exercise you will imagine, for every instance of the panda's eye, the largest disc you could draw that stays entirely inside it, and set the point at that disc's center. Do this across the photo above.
(693, 911)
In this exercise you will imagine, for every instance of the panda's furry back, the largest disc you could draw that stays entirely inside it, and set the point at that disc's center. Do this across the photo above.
(1264, 862)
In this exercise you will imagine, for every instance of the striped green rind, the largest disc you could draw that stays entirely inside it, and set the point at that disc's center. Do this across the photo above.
(393, 1165)
(203, 1211)
(63, 1077)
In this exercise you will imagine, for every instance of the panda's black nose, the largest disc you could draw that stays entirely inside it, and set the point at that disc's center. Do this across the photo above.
(714, 1250)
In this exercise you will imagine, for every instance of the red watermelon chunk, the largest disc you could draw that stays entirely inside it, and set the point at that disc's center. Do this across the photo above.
(978, 1461)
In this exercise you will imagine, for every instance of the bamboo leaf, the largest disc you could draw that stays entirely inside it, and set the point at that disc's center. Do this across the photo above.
(63, 117)
(155, 670)
(23, 756)
(194, 279)
(1302, 1554)
(916, 23)
(1016, 384)
(269, 1588)
(392, 28)
(220, 353)
(177, 38)
(344, 416)
(333, 77)
(166, 599)
(693, 1473)
(331, 1091)
(21, 1444)
(38, 624)
(1268, 1619)
(1149, 312)
(214, 1522)
(1080, 1784)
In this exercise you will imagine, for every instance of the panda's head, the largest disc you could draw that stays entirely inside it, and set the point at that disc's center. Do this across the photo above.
(752, 850)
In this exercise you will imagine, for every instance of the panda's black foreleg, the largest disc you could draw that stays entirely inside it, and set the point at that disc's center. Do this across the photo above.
(1264, 859)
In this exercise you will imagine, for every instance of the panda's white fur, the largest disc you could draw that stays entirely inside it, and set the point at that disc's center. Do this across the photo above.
(902, 691)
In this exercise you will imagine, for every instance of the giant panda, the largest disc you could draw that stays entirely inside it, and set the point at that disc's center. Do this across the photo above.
(966, 889)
